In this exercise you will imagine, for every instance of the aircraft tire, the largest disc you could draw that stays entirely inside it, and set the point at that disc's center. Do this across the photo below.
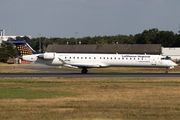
(84, 71)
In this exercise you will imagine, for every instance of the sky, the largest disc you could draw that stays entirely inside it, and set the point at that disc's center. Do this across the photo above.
(62, 18)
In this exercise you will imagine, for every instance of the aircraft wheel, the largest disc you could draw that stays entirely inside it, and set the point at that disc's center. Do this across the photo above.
(84, 71)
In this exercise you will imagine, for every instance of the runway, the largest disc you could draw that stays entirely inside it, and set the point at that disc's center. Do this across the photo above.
(49, 72)
(89, 75)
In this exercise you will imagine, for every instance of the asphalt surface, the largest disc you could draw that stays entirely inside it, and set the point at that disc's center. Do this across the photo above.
(91, 75)
(48, 71)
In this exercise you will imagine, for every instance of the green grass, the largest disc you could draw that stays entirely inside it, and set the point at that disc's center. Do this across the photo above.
(26, 89)
(29, 94)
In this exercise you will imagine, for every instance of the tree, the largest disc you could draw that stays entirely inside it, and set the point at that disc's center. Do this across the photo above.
(166, 38)
(102, 41)
(3, 55)
(7, 50)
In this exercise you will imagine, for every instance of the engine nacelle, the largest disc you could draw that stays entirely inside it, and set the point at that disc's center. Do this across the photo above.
(48, 56)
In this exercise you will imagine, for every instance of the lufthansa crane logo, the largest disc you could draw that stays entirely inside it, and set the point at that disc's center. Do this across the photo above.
(24, 50)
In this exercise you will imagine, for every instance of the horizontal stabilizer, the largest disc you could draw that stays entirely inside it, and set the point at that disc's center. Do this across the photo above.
(16, 41)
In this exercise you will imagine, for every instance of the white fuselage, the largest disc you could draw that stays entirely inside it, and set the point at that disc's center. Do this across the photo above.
(100, 60)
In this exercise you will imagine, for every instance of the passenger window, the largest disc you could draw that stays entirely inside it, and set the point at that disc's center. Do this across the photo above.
(85, 57)
(107, 58)
(119, 58)
(77, 57)
(100, 58)
(122, 58)
(104, 58)
(94, 57)
(134, 58)
(69, 57)
(126, 58)
(73, 57)
(65, 57)
(89, 57)
(111, 58)
(115, 58)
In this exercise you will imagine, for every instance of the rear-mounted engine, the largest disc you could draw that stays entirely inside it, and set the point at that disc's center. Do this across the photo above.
(48, 56)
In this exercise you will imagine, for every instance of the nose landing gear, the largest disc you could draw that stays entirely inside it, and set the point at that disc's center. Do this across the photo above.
(166, 71)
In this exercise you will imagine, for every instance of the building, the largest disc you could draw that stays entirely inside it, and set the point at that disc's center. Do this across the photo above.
(173, 52)
(5, 38)
(107, 49)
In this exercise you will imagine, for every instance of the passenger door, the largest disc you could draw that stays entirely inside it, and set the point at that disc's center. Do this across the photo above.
(153, 61)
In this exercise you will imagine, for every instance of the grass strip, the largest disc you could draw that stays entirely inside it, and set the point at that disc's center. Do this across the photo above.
(90, 98)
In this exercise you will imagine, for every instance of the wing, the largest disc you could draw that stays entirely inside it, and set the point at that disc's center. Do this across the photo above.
(83, 65)
(88, 65)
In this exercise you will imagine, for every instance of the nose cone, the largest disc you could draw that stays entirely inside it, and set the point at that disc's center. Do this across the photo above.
(172, 64)
(175, 64)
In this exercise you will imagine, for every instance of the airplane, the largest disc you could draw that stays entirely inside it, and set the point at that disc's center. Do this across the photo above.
(85, 61)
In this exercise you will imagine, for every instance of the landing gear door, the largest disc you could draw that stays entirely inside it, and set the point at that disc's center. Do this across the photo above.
(153, 61)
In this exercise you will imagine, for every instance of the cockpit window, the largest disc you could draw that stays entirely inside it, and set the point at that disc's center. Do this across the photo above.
(166, 58)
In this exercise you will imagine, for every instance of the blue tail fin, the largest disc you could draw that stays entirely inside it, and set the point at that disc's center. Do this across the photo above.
(23, 47)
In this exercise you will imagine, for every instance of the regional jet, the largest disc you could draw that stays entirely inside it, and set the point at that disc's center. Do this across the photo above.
(85, 61)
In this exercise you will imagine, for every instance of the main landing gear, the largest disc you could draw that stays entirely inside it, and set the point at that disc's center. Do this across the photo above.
(166, 71)
(84, 70)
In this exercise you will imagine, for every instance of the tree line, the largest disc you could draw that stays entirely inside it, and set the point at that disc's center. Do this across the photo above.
(151, 36)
